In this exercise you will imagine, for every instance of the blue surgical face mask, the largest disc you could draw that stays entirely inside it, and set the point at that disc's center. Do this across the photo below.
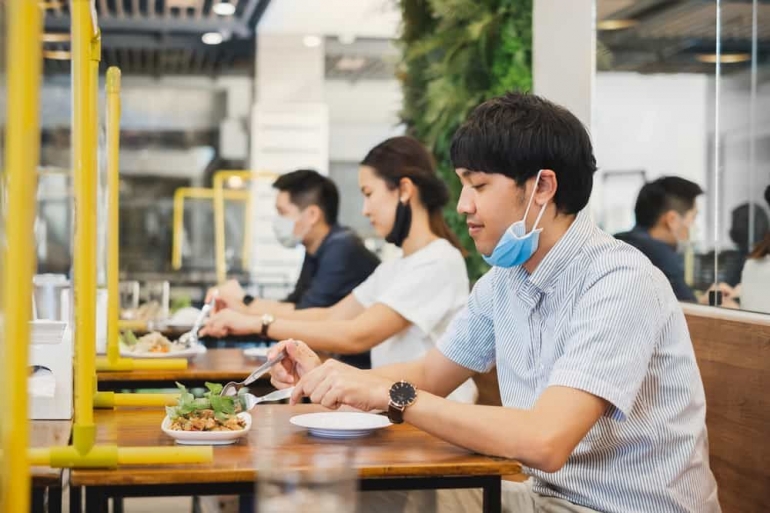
(516, 246)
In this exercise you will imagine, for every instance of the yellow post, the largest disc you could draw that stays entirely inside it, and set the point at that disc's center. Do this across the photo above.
(196, 193)
(219, 231)
(219, 216)
(21, 159)
(113, 193)
(84, 165)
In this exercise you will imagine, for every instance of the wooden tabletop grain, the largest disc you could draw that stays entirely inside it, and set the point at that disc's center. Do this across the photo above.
(396, 451)
(215, 365)
(48, 433)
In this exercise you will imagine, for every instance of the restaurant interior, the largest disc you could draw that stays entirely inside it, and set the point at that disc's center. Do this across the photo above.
(140, 146)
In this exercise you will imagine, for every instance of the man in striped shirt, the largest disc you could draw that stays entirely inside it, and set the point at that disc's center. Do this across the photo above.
(602, 397)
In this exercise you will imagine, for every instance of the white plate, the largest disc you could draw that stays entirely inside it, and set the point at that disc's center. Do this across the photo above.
(207, 437)
(337, 424)
(188, 353)
(256, 352)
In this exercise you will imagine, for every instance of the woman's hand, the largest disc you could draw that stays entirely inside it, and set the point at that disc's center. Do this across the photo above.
(230, 322)
(299, 360)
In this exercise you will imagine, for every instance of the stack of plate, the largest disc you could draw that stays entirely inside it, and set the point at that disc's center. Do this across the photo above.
(340, 425)
(47, 332)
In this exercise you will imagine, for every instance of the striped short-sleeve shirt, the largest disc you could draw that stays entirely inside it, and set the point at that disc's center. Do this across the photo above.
(595, 315)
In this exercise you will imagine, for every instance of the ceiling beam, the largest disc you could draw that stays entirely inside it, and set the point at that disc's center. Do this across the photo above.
(169, 25)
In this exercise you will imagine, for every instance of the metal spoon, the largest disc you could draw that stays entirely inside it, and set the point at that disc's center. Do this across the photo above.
(233, 387)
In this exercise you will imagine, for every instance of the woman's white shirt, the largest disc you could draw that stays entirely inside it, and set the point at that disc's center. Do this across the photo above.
(427, 288)
(755, 285)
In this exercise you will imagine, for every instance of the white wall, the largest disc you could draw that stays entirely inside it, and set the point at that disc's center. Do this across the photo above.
(564, 54)
(361, 115)
(655, 123)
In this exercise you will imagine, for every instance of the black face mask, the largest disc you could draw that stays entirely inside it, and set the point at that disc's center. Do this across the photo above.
(402, 225)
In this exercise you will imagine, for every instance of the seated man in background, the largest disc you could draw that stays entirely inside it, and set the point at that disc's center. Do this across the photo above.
(336, 260)
(665, 211)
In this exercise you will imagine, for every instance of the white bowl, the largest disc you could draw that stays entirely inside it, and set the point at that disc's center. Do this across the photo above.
(189, 353)
(207, 437)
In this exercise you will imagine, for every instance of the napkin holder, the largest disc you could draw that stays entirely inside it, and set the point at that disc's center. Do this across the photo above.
(51, 348)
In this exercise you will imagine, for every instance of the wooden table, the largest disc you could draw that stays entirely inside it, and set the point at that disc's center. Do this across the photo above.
(216, 365)
(48, 433)
(397, 458)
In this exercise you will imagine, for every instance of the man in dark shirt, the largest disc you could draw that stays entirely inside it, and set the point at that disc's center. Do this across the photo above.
(336, 260)
(665, 211)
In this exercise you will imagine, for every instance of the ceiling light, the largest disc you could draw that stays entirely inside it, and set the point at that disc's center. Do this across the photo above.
(615, 24)
(224, 9)
(350, 63)
(725, 58)
(212, 38)
(311, 41)
(347, 39)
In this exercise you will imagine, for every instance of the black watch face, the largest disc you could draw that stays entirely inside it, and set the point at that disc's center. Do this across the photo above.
(402, 393)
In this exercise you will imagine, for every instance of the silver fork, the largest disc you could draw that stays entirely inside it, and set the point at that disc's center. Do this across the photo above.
(233, 387)
(190, 338)
(278, 395)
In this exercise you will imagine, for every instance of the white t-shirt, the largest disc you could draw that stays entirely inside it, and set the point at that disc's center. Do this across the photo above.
(427, 288)
(755, 285)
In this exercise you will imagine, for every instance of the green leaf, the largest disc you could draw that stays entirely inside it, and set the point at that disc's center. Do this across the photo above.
(129, 338)
(214, 388)
(171, 412)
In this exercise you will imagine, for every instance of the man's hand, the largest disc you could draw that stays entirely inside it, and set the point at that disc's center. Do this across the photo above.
(335, 384)
(299, 360)
(230, 295)
(230, 322)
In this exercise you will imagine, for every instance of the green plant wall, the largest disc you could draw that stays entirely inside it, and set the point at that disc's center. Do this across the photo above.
(457, 54)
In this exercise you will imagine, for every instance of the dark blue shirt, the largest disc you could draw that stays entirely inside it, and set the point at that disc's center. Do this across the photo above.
(664, 257)
(340, 264)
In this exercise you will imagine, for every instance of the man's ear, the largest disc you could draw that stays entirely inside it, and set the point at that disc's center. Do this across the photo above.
(546, 187)
(315, 214)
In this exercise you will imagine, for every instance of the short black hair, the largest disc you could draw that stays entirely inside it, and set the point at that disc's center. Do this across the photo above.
(308, 187)
(662, 195)
(518, 134)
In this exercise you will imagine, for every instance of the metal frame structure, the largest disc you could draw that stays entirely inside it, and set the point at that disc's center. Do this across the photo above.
(113, 361)
(22, 147)
(23, 137)
(184, 193)
(218, 184)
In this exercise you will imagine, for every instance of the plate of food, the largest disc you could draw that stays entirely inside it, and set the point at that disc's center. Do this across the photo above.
(156, 345)
(208, 420)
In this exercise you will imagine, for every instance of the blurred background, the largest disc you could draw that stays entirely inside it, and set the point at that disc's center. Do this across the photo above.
(213, 85)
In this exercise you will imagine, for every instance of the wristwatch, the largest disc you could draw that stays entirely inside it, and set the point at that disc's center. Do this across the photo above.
(247, 299)
(267, 320)
(402, 395)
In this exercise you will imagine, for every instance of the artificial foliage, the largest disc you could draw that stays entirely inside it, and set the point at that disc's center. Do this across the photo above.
(455, 55)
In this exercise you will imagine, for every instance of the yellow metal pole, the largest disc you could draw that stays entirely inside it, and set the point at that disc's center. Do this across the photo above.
(180, 195)
(111, 456)
(84, 165)
(219, 217)
(21, 159)
(219, 230)
(114, 362)
(178, 231)
(113, 195)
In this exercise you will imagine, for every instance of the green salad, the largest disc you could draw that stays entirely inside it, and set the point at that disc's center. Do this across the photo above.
(211, 412)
